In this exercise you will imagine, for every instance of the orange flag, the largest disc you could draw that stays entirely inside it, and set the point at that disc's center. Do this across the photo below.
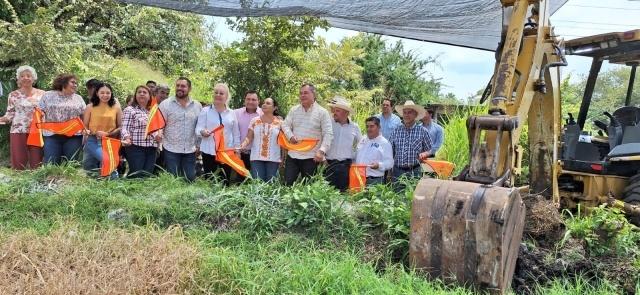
(228, 156)
(155, 121)
(357, 177)
(154, 101)
(66, 128)
(303, 145)
(35, 134)
(110, 155)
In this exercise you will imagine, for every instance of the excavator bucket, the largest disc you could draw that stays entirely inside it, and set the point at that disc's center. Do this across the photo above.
(466, 232)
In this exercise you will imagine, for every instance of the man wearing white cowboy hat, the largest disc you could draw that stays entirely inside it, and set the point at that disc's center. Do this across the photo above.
(410, 142)
(346, 136)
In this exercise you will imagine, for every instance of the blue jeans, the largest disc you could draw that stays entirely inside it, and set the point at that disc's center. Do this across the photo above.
(59, 147)
(398, 172)
(265, 170)
(141, 160)
(92, 156)
(183, 165)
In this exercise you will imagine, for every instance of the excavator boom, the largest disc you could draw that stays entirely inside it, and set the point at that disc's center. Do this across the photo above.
(469, 229)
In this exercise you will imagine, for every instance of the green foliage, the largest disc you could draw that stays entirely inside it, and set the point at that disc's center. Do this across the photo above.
(291, 264)
(257, 238)
(262, 59)
(400, 73)
(62, 36)
(609, 94)
(455, 148)
(605, 230)
(577, 286)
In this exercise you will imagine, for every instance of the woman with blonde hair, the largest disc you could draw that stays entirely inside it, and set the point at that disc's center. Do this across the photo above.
(211, 117)
(20, 106)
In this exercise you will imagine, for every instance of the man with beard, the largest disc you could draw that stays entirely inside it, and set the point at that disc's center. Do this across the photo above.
(179, 134)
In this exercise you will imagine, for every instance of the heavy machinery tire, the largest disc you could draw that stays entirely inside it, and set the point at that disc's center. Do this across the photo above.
(631, 187)
(633, 199)
(632, 191)
(634, 179)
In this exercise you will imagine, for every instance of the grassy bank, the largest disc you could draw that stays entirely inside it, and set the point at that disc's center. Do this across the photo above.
(252, 239)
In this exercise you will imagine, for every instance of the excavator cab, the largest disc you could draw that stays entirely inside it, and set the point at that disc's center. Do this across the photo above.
(601, 161)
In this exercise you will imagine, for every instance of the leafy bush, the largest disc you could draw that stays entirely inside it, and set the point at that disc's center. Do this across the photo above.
(605, 230)
(382, 207)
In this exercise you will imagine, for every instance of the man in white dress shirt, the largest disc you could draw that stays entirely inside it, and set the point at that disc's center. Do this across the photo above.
(346, 136)
(374, 150)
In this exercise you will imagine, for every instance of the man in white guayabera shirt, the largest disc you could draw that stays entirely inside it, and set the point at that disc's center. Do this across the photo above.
(375, 151)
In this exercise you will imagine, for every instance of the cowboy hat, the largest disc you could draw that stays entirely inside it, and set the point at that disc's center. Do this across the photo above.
(409, 104)
(341, 103)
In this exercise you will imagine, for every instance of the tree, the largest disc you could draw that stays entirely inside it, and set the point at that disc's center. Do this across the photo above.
(266, 54)
(608, 95)
(400, 73)
(57, 28)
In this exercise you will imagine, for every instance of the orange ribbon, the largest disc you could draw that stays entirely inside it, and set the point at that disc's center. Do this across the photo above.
(303, 145)
(228, 156)
(67, 128)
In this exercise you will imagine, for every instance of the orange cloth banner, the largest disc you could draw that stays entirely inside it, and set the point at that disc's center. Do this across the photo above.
(35, 134)
(303, 145)
(357, 177)
(154, 101)
(110, 155)
(66, 128)
(441, 168)
(155, 121)
(228, 156)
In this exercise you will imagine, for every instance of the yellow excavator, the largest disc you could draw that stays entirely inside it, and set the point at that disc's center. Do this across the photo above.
(469, 229)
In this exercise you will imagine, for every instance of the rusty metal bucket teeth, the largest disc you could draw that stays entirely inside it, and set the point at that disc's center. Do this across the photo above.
(466, 232)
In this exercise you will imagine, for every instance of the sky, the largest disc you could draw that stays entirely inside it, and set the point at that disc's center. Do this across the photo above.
(464, 71)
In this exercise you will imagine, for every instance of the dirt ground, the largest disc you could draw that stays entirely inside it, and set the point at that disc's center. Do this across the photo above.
(542, 259)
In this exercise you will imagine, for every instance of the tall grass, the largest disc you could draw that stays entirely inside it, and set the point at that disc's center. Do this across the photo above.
(455, 148)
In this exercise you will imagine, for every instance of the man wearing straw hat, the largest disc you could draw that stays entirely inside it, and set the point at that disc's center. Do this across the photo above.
(346, 136)
(410, 141)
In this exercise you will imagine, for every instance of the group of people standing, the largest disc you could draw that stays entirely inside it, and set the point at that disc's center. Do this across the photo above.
(392, 147)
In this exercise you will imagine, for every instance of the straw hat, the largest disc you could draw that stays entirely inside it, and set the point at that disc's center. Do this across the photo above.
(341, 103)
(409, 104)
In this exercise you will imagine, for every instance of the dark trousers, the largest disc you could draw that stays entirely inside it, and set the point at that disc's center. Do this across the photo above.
(408, 172)
(159, 162)
(375, 180)
(60, 147)
(298, 167)
(141, 160)
(183, 165)
(337, 173)
(210, 166)
(246, 159)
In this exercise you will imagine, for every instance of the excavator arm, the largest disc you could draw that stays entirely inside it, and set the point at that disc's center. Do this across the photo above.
(469, 229)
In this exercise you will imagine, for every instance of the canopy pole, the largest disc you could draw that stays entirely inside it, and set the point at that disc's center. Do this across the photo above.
(632, 79)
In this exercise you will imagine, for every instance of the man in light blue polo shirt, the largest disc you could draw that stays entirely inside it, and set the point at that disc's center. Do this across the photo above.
(436, 132)
(388, 120)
